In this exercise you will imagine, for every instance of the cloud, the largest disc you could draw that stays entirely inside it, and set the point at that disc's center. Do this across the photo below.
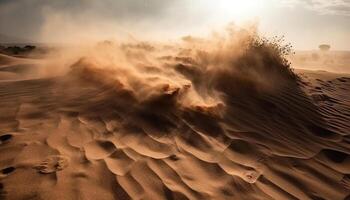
(47, 20)
(27, 18)
(325, 7)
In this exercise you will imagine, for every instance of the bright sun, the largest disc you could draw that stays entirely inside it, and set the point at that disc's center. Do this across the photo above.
(237, 10)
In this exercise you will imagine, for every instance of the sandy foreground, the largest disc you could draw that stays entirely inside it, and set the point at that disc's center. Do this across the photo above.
(86, 135)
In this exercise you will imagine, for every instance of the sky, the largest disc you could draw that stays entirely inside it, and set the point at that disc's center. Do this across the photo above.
(304, 23)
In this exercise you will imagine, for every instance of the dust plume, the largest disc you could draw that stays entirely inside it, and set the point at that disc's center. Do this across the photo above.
(195, 69)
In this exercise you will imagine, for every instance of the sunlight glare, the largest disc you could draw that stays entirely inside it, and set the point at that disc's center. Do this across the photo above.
(238, 10)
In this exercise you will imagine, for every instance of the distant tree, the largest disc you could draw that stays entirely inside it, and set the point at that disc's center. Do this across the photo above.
(324, 47)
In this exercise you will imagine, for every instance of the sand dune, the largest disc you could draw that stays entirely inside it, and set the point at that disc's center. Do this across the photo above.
(203, 125)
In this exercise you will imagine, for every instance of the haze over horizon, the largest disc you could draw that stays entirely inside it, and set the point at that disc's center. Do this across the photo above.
(304, 23)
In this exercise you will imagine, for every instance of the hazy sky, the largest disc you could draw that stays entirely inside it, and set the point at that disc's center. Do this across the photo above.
(305, 23)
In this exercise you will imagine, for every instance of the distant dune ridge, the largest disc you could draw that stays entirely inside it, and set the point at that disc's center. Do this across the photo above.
(333, 61)
(218, 118)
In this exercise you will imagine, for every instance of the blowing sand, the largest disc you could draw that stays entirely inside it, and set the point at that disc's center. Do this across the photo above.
(209, 126)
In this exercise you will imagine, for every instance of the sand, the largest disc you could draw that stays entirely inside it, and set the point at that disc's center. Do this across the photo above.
(89, 134)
